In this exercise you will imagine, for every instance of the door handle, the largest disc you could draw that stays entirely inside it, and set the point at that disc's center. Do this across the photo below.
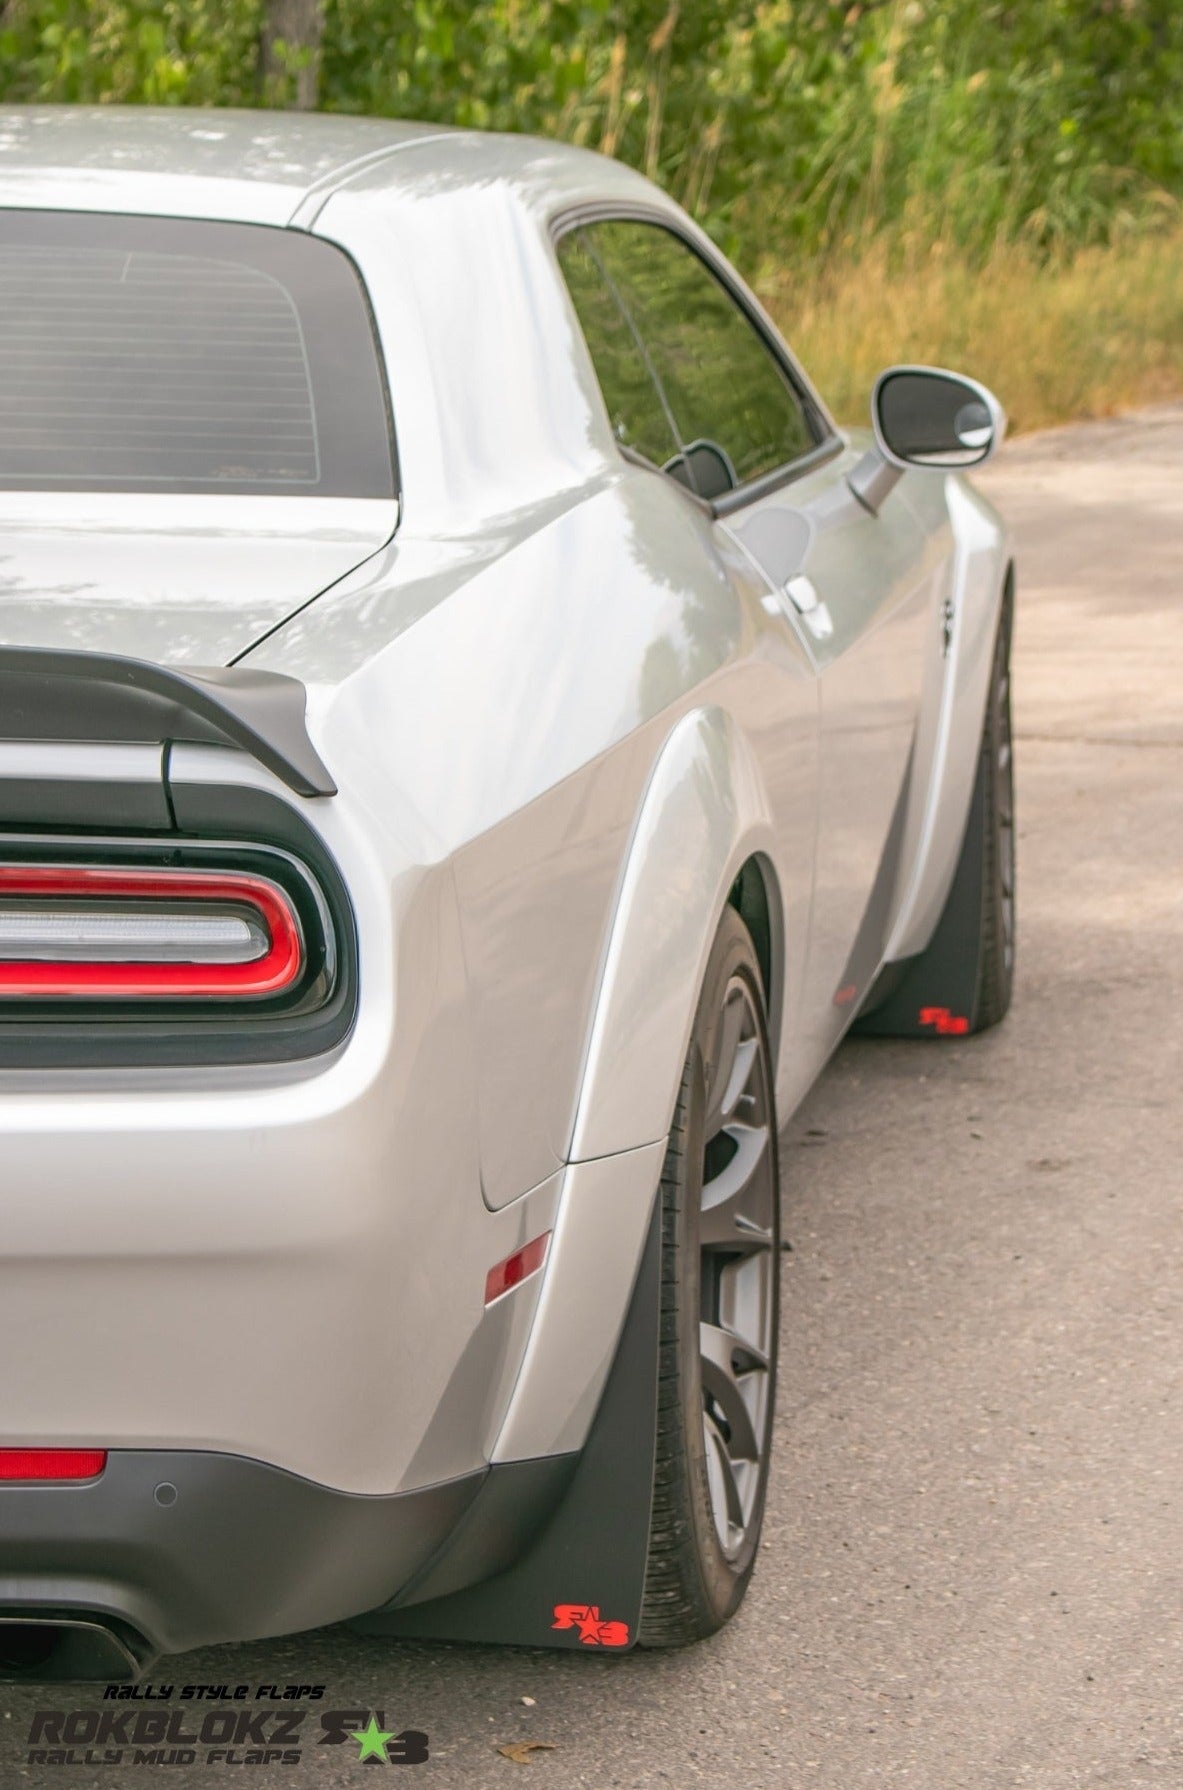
(802, 594)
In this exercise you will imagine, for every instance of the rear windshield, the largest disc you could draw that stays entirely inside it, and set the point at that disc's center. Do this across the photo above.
(160, 354)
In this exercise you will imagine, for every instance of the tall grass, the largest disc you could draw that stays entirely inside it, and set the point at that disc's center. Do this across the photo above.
(1069, 337)
(992, 183)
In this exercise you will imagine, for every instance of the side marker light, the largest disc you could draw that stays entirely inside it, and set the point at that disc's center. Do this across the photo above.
(52, 1463)
(516, 1268)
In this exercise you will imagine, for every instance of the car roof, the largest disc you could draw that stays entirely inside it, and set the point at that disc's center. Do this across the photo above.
(265, 167)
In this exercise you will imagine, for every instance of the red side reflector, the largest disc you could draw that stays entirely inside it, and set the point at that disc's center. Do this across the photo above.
(52, 1463)
(516, 1268)
(48, 902)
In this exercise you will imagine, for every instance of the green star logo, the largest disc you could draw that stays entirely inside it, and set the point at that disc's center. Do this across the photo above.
(371, 1742)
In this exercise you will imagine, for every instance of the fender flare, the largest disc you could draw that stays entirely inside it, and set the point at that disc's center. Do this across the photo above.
(703, 814)
(983, 567)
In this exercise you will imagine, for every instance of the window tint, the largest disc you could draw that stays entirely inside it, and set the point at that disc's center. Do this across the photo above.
(737, 415)
(635, 409)
(157, 354)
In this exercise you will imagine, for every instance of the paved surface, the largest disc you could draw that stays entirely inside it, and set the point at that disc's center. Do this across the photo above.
(973, 1571)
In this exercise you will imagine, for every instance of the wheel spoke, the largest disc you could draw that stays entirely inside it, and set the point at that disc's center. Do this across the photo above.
(741, 1075)
(720, 1351)
(728, 1059)
(721, 1471)
(724, 1223)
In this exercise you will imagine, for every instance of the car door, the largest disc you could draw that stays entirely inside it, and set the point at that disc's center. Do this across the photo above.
(742, 429)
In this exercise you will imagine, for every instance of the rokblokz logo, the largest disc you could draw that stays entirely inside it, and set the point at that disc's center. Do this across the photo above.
(593, 1630)
(242, 1728)
(374, 1740)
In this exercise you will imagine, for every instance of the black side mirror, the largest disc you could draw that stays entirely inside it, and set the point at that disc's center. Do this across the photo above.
(926, 417)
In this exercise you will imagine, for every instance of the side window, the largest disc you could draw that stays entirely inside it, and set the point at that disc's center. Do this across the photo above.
(736, 413)
(640, 421)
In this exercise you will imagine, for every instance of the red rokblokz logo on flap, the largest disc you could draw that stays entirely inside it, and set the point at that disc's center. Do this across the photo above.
(593, 1630)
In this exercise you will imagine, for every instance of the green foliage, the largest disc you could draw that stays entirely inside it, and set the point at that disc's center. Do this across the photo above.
(787, 126)
(158, 52)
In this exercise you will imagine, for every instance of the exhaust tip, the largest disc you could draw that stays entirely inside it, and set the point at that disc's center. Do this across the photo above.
(38, 1649)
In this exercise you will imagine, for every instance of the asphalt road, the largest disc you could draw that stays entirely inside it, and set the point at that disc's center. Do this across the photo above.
(973, 1567)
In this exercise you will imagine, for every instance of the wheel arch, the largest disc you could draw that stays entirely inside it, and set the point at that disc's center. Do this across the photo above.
(756, 897)
(703, 838)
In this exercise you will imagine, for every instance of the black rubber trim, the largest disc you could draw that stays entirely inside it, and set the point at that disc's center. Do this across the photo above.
(93, 804)
(732, 502)
(188, 1548)
(51, 695)
(593, 1550)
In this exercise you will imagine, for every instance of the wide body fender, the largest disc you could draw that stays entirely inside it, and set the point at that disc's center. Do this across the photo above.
(954, 703)
(703, 815)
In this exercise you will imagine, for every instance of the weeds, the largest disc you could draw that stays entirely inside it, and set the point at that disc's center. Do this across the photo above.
(1057, 338)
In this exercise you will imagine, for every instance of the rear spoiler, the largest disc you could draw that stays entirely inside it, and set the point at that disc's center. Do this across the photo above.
(50, 695)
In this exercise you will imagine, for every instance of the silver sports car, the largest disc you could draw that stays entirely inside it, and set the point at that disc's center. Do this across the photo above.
(474, 735)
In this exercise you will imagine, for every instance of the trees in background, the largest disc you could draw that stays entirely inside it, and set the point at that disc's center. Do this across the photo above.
(290, 36)
(804, 124)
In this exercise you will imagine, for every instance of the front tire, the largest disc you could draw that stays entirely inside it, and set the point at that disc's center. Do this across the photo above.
(719, 1309)
(996, 772)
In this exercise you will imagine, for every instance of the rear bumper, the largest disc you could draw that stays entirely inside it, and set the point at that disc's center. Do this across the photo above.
(185, 1548)
(172, 1549)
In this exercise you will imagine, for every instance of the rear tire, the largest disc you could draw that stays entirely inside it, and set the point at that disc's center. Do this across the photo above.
(719, 1309)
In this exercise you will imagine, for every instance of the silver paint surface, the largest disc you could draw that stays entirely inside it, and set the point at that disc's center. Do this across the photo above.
(563, 706)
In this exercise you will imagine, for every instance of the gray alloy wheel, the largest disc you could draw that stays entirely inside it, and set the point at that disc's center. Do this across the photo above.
(720, 1308)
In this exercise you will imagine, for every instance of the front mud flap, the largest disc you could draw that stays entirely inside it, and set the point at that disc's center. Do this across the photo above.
(579, 1578)
(935, 995)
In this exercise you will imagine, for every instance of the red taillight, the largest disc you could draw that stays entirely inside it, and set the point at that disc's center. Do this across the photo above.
(52, 1463)
(89, 932)
(515, 1268)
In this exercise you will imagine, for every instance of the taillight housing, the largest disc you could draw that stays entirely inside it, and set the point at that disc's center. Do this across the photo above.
(162, 952)
(88, 932)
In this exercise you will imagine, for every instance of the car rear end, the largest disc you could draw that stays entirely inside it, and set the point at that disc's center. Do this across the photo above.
(230, 1108)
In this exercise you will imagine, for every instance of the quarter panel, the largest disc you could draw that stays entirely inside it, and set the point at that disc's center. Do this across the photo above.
(704, 813)
(507, 730)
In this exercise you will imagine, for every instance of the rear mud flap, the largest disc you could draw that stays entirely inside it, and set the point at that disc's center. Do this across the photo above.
(579, 1582)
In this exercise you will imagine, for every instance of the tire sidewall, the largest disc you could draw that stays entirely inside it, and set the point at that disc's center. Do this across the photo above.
(724, 1580)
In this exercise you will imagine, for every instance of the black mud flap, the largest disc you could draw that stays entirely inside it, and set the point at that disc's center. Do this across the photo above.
(579, 1575)
(936, 994)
